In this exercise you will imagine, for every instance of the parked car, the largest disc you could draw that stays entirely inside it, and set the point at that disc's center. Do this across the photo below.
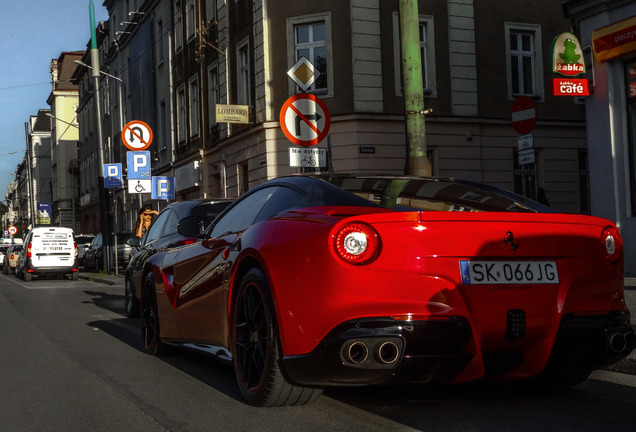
(310, 281)
(48, 251)
(94, 256)
(163, 234)
(12, 254)
(83, 242)
(4, 246)
(3, 251)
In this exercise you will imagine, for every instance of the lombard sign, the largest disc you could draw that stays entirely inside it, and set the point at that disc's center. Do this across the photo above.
(233, 114)
(567, 55)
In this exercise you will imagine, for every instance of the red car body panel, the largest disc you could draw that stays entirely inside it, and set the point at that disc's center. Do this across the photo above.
(417, 275)
(460, 294)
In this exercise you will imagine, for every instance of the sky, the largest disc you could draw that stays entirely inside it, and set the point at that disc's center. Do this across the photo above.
(32, 33)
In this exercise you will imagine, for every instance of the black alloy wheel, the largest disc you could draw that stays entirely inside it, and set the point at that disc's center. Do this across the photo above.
(150, 318)
(256, 348)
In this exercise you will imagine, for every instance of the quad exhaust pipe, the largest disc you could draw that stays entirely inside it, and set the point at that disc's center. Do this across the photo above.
(357, 353)
(385, 352)
(619, 343)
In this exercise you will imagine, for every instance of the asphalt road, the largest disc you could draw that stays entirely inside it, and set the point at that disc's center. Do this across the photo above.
(71, 360)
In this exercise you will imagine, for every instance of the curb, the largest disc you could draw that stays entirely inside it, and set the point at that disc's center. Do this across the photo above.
(626, 366)
(96, 278)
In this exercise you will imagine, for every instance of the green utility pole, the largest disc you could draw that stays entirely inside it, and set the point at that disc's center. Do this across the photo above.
(417, 162)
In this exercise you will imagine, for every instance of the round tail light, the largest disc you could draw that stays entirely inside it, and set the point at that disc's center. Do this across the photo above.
(611, 243)
(357, 243)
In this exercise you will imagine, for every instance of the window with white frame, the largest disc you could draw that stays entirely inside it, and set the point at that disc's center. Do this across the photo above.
(524, 65)
(181, 113)
(243, 69)
(213, 92)
(190, 19)
(193, 88)
(310, 41)
(178, 26)
(427, 53)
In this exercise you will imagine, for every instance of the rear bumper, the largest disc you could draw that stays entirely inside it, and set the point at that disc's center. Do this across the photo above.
(53, 270)
(426, 350)
(444, 351)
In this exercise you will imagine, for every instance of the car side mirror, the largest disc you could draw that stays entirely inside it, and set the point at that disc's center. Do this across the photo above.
(192, 226)
(134, 242)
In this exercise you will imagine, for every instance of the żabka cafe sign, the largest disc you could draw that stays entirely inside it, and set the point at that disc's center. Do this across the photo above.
(568, 61)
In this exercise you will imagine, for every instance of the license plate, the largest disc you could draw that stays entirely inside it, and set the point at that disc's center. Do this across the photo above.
(508, 272)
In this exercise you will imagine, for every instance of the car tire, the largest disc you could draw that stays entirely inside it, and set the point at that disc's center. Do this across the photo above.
(150, 329)
(131, 304)
(75, 276)
(27, 277)
(256, 351)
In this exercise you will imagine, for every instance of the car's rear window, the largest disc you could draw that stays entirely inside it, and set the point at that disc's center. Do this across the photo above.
(407, 194)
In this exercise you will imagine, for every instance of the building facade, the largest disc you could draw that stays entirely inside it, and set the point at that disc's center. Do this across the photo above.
(172, 63)
(63, 101)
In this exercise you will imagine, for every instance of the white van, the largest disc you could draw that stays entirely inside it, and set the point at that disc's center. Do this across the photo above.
(48, 251)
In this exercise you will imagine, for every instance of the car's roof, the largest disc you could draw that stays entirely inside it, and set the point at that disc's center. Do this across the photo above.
(423, 193)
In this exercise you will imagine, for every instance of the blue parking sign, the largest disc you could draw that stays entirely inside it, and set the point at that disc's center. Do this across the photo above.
(112, 175)
(163, 188)
(138, 165)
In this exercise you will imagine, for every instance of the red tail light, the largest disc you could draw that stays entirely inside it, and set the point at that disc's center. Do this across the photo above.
(357, 243)
(611, 243)
(29, 250)
(75, 246)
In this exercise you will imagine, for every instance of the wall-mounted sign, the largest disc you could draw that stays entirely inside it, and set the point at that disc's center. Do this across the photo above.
(567, 55)
(233, 114)
(614, 40)
(570, 87)
(43, 216)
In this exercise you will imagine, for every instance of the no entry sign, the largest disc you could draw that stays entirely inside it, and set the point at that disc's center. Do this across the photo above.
(305, 120)
(523, 115)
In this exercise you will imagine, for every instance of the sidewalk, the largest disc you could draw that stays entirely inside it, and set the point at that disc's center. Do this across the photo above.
(627, 365)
